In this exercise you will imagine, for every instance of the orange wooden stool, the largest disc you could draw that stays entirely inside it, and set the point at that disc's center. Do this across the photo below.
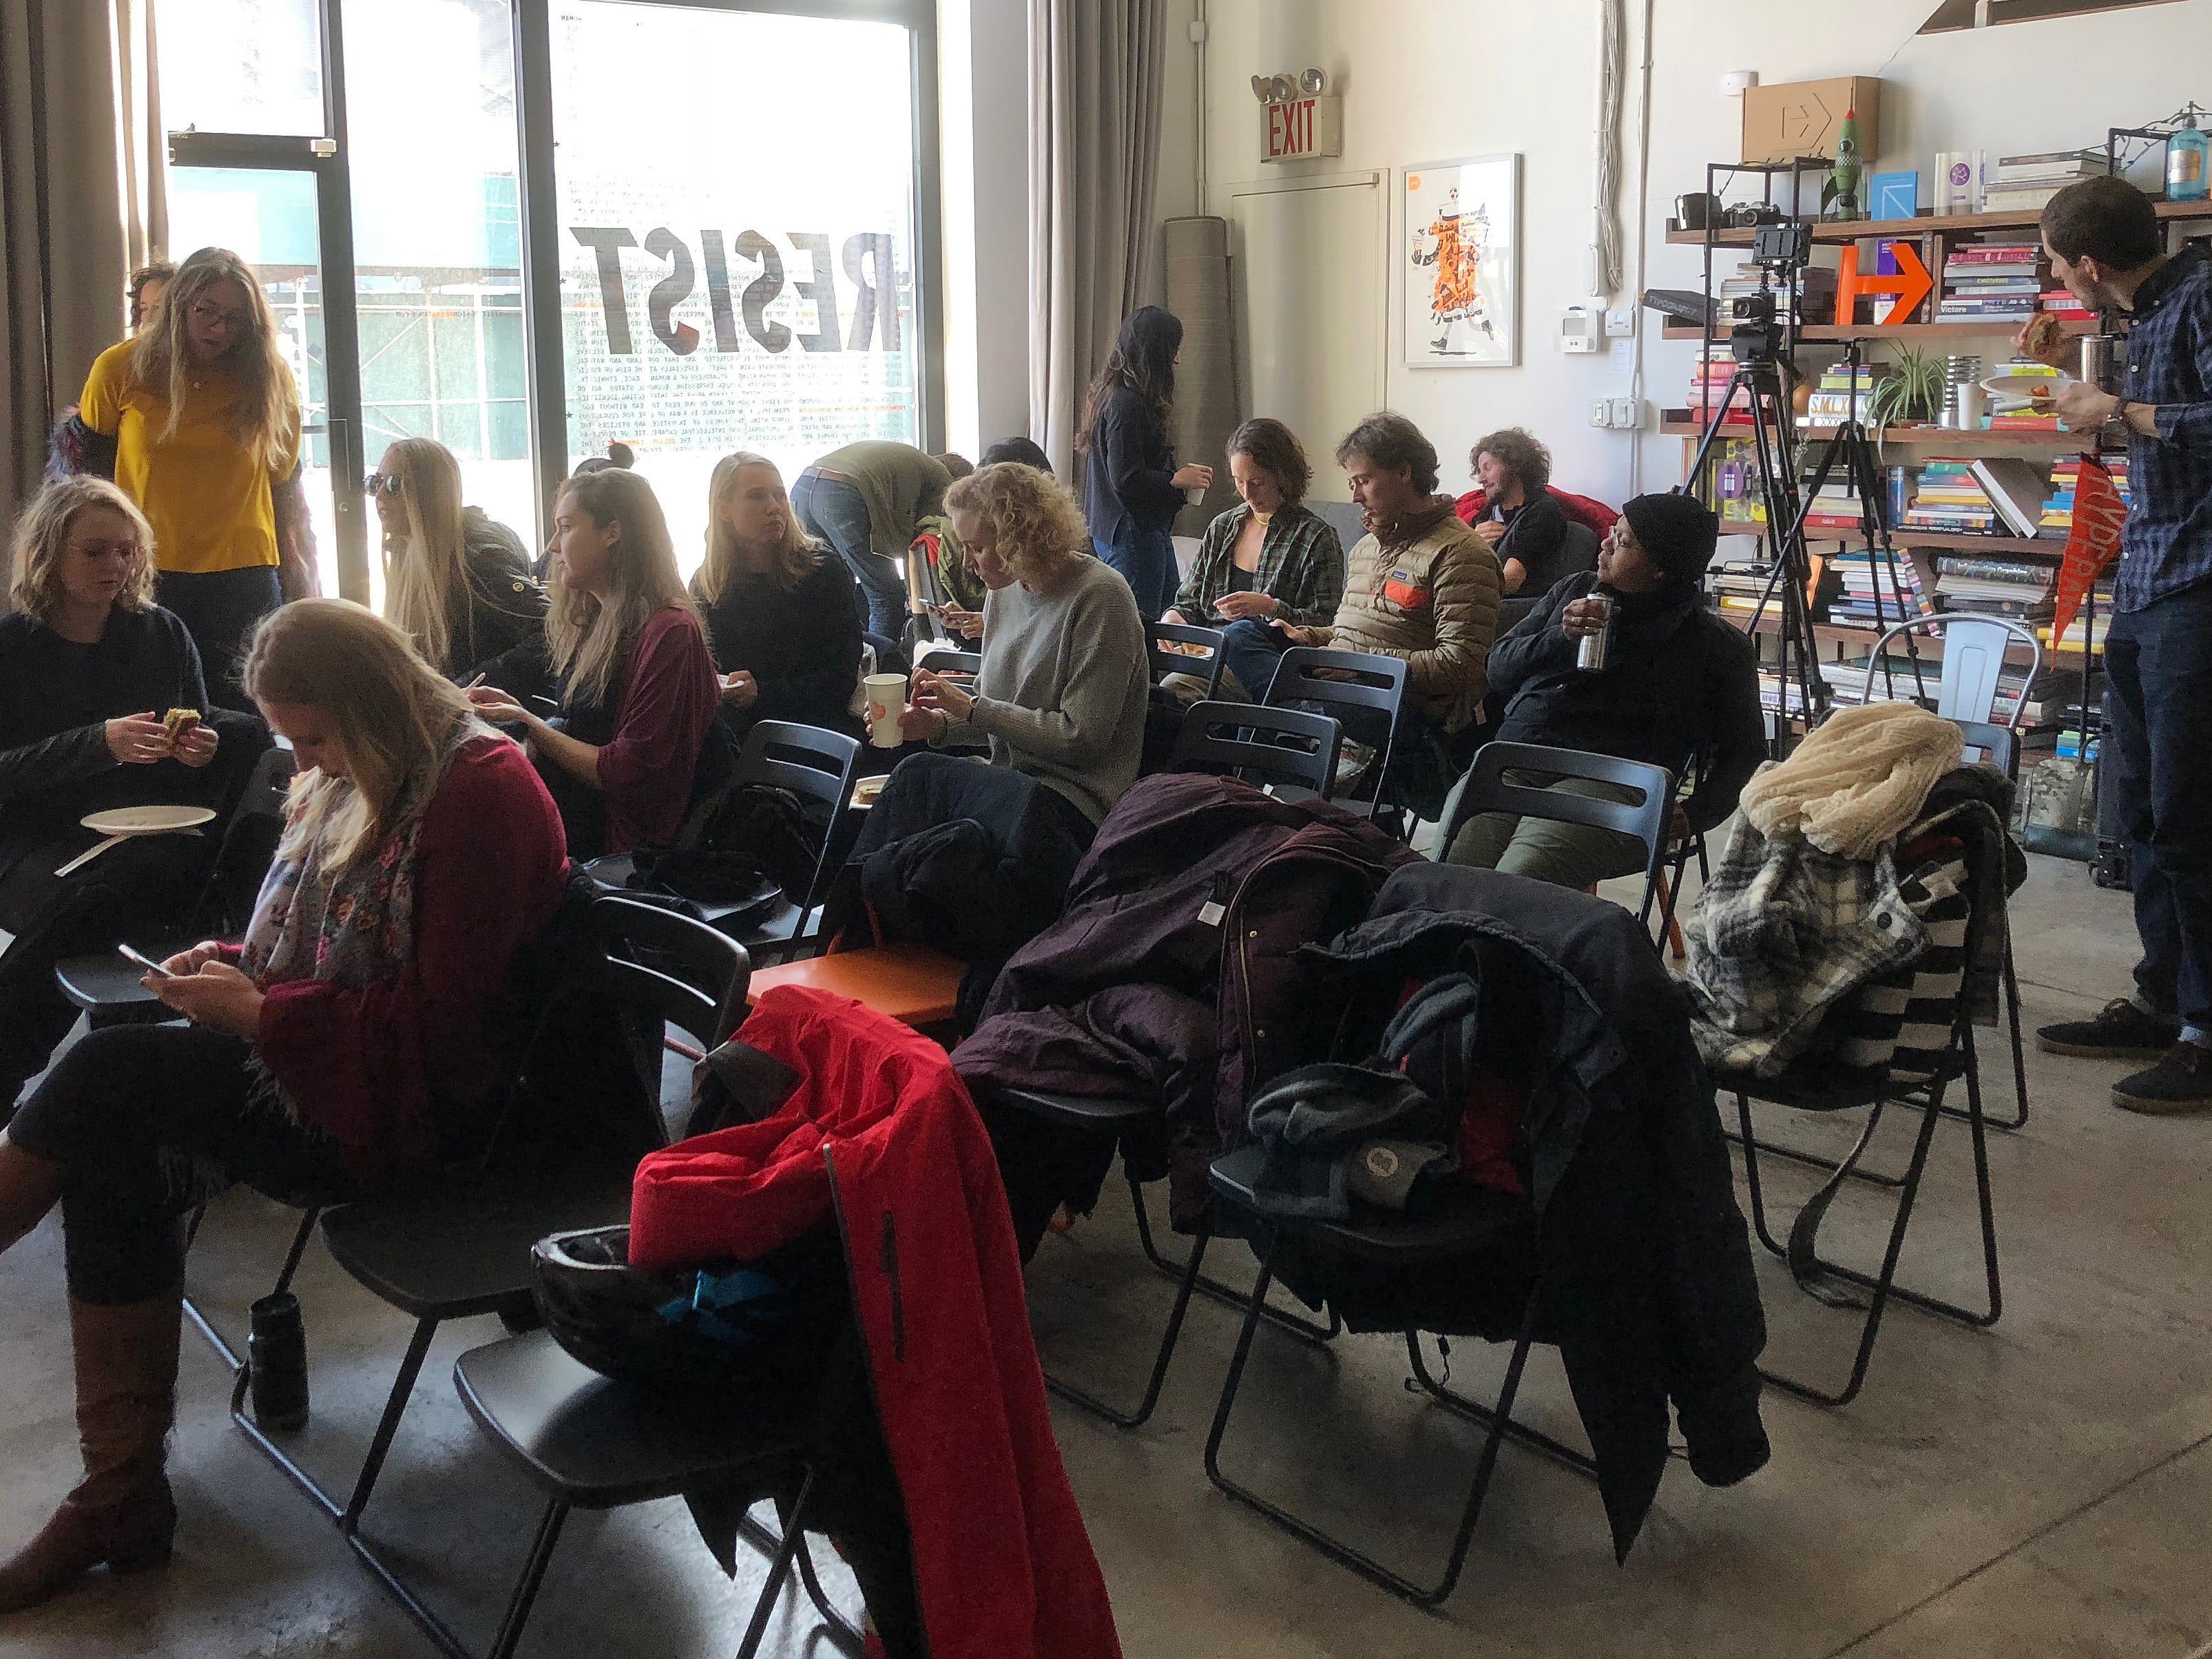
(909, 983)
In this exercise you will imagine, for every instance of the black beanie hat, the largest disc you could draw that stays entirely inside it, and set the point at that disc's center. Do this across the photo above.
(1678, 533)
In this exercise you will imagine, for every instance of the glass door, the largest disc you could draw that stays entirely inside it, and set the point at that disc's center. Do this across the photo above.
(269, 218)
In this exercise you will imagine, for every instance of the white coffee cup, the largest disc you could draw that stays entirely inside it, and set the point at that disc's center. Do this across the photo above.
(886, 702)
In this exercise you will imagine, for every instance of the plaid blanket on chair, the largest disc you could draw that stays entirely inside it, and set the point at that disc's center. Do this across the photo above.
(1782, 934)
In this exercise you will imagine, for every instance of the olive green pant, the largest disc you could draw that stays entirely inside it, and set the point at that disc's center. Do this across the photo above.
(1544, 849)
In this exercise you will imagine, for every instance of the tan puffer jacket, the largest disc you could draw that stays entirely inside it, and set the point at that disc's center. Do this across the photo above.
(1431, 596)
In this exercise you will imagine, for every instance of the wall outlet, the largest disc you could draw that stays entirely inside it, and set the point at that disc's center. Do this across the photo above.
(1625, 414)
(1578, 330)
(1601, 412)
(1620, 323)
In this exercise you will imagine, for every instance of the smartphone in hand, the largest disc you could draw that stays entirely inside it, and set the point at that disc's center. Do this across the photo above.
(142, 960)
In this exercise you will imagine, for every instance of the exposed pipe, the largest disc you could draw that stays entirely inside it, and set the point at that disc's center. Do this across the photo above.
(1199, 31)
(1642, 250)
(1605, 243)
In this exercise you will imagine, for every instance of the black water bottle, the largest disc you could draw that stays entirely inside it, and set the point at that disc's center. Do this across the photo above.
(276, 1354)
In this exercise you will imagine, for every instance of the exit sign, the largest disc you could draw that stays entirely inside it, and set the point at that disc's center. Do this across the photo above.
(1303, 129)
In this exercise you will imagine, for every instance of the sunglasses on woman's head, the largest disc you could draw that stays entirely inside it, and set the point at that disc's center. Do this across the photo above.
(381, 484)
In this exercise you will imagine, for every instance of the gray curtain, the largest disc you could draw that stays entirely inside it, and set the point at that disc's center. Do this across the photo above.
(80, 205)
(1095, 87)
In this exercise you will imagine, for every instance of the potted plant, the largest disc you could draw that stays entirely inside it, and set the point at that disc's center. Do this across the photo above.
(1912, 392)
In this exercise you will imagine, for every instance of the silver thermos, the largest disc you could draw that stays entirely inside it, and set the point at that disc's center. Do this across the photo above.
(2098, 356)
(1591, 653)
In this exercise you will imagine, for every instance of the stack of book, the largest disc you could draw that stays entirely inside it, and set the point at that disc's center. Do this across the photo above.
(1736, 494)
(2044, 700)
(1950, 499)
(1840, 396)
(1995, 587)
(1868, 596)
(1711, 371)
(2061, 303)
(2057, 519)
(2026, 184)
(1737, 588)
(1991, 279)
(2077, 631)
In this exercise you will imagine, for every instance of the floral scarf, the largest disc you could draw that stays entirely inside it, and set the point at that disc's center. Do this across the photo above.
(355, 927)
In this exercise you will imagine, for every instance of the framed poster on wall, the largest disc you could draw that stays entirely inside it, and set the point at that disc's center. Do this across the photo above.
(1463, 270)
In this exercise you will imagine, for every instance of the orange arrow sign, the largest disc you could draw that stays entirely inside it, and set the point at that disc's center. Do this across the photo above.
(1908, 288)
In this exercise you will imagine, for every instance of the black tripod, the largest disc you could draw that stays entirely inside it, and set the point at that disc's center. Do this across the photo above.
(1789, 580)
(1852, 445)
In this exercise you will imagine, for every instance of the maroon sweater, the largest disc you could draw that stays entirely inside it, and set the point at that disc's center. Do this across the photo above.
(363, 1064)
(670, 696)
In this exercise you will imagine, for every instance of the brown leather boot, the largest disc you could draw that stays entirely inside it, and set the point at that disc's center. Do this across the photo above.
(29, 1185)
(121, 1515)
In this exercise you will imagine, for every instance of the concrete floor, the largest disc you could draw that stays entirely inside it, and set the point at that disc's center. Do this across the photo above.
(2043, 1488)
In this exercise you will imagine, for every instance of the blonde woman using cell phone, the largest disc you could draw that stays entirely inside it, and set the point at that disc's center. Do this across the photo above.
(355, 1040)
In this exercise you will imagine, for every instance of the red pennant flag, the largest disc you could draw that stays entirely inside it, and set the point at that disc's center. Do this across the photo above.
(2092, 544)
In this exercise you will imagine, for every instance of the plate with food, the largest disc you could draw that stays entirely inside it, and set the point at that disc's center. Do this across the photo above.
(867, 790)
(146, 820)
(2023, 386)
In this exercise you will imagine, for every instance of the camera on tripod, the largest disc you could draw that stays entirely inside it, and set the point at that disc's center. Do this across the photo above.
(1780, 250)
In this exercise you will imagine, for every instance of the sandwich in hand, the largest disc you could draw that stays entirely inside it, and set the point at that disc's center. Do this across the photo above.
(177, 722)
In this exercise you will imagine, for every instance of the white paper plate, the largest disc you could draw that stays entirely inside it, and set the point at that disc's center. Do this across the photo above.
(2017, 388)
(147, 820)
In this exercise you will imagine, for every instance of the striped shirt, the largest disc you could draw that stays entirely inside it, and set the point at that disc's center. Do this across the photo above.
(1301, 567)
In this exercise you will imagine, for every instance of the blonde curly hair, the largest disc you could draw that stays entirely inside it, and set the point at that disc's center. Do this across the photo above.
(1032, 518)
(42, 538)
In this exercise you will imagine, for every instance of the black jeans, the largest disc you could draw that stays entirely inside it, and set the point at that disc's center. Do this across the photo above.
(149, 1121)
(2158, 701)
(220, 609)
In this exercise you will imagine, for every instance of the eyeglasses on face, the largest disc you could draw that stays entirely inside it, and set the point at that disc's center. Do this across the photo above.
(207, 314)
(381, 484)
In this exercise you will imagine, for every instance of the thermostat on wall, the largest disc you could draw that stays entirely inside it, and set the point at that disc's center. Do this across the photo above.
(1579, 329)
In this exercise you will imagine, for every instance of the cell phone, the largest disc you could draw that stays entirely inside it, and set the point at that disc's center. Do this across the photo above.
(130, 954)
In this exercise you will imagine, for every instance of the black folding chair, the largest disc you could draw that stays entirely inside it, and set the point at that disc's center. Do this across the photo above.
(1305, 675)
(591, 1443)
(105, 985)
(952, 662)
(1102, 1116)
(1485, 788)
(1205, 664)
(1482, 1235)
(817, 765)
(1999, 745)
(1817, 1274)
(1259, 745)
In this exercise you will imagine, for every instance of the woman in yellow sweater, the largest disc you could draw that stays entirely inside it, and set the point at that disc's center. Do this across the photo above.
(205, 419)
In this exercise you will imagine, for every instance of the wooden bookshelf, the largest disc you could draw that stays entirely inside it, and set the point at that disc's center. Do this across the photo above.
(1677, 423)
(1830, 333)
(1929, 645)
(1854, 230)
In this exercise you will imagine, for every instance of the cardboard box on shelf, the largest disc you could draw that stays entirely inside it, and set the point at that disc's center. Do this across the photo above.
(1802, 118)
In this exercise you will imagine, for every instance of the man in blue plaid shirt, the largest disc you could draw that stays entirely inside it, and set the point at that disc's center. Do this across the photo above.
(2104, 243)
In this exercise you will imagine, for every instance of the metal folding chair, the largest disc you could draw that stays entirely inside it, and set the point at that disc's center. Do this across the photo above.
(1485, 788)
(1206, 665)
(1259, 745)
(1479, 1232)
(1307, 675)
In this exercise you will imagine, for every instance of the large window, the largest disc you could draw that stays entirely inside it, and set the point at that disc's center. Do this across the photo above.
(735, 211)
(736, 267)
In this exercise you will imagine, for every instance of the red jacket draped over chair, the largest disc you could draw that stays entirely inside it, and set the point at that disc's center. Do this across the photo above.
(880, 1132)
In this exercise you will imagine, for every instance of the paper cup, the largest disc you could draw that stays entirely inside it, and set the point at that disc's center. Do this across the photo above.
(886, 701)
(1195, 495)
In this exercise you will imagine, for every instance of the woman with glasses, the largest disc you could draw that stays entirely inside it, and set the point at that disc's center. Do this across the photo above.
(455, 582)
(205, 416)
